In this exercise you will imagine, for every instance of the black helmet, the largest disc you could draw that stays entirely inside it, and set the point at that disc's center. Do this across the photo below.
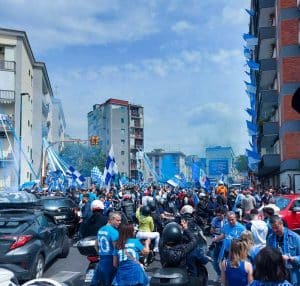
(172, 233)
(151, 205)
(145, 210)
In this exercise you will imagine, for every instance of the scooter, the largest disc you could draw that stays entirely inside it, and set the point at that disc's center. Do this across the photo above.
(86, 247)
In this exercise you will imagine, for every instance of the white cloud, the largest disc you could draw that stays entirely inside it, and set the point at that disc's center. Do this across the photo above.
(55, 24)
(234, 15)
(182, 26)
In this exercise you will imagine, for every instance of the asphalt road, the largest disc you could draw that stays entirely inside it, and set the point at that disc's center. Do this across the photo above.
(75, 266)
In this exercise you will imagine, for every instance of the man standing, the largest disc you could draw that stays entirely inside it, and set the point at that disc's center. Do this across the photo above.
(232, 229)
(288, 242)
(105, 244)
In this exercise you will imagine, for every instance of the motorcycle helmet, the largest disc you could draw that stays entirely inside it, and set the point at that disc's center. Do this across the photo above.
(172, 233)
(97, 205)
(187, 209)
(145, 210)
(152, 205)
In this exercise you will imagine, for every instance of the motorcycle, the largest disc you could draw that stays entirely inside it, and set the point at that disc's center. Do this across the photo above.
(86, 247)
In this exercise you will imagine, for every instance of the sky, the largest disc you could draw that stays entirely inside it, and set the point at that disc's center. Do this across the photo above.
(182, 60)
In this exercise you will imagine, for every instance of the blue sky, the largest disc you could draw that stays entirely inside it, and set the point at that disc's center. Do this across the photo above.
(181, 59)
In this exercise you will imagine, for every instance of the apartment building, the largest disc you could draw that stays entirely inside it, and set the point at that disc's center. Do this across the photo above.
(276, 25)
(219, 162)
(121, 124)
(26, 99)
(165, 164)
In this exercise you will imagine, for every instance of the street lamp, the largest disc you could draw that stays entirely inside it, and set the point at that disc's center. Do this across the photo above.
(20, 135)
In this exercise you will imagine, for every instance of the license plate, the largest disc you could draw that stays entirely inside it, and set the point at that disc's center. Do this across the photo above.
(89, 275)
(60, 217)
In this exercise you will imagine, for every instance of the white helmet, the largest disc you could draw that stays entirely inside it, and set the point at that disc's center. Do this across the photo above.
(42, 282)
(187, 209)
(97, 205)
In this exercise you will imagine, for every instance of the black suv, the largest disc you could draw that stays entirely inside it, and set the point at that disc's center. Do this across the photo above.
(29, 240)
(63, 210)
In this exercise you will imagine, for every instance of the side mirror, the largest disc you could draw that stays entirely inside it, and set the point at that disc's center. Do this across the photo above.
(296, 209)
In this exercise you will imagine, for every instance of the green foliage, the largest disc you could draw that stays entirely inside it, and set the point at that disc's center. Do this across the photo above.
(83, 158)
(241, 163)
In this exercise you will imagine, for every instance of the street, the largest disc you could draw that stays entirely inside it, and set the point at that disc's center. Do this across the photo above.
(76, 264)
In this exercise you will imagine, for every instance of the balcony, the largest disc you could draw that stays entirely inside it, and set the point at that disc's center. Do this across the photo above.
(268, 102)
(45, 108)
(269, 164)
(268, 71)
(7, 96)
(270, 134)
(267, 41)
(6, 156)
(7, 65)
(266, 12)
(8, 127)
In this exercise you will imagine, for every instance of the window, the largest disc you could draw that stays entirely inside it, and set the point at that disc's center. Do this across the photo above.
(122, 120)
(123, 153)
(123, 131)
(123, 141)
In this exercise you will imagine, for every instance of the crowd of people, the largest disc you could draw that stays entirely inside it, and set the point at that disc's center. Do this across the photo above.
(249, 243)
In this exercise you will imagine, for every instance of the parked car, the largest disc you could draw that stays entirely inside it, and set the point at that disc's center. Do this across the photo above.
(29, 240)
(289, 210)
(15, 198)
(63, 210)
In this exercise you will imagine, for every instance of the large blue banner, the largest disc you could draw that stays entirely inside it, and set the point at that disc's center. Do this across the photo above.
(169, 166)
(218, 167)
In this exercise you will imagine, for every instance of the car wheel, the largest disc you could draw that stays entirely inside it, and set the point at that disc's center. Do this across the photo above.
(65, 248)
(39, 267)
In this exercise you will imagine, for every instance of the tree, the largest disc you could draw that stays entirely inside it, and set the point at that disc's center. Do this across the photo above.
(83, 158)
(241, 163)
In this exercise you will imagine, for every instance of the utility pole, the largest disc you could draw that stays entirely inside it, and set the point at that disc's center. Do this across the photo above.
(20, 135)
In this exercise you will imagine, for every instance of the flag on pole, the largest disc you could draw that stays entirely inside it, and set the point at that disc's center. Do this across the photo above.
(250, 12)
(75, 175)
(204, 181)
(110, 168)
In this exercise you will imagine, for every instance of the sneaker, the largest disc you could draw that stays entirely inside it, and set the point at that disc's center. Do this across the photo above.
(155, 249)
(217, 279)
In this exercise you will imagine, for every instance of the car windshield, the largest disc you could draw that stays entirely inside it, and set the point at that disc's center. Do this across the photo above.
(282, 203)
(57, 203)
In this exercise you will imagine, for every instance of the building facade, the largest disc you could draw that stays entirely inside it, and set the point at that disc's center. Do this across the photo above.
(26, 100)
(166, 164)
(121, 124)
(277, 27)
(219, 162)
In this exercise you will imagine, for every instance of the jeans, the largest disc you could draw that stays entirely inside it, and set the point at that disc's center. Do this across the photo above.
(196, 256)
(104, 272)
(215, 257)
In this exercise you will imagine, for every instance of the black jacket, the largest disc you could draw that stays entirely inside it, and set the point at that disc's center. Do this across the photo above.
(175, 256)
(93, 224)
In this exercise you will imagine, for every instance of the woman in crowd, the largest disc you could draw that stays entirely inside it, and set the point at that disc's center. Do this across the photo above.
(236, 270)
(270, 269)
(129, 270)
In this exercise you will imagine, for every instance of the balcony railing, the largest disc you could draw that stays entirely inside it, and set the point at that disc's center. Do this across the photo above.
(266, 4)
(7, 65)
(7, 96)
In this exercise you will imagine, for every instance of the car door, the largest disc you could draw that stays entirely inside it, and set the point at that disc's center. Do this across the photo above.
(295, 215)
(49, 237)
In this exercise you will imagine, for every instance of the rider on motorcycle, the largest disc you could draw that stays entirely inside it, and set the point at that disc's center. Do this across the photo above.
(96, 221)
(146, 226)
(198, 255)
(173, 248)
